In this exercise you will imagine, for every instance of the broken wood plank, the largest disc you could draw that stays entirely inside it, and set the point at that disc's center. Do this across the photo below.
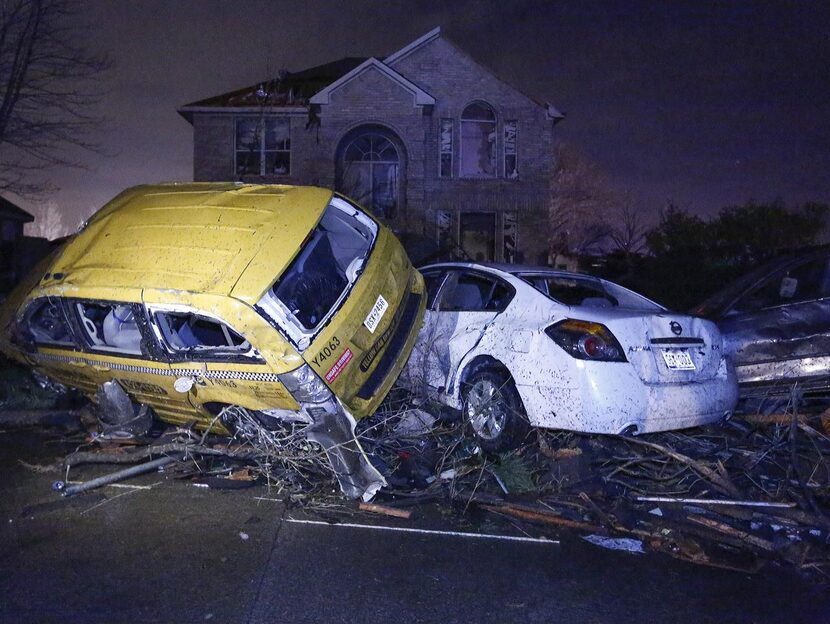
(537, 515)
(386, 511)
(726, 529)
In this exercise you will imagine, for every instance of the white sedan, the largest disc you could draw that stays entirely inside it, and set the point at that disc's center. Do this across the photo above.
(513, 347)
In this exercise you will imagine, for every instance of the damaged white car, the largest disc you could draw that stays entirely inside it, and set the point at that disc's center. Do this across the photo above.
(514, 347)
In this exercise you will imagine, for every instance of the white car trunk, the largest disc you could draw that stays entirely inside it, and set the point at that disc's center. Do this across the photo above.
(667, 348)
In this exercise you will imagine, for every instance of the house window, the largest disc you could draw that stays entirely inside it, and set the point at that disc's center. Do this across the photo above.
(478, 141)
(478, 235)
(370, 168)
(510, 237)
(263, 146)
(446, 148)
(511, 165)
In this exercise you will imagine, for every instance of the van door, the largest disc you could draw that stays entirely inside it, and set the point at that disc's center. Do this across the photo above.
(213, 364)
(118, 346)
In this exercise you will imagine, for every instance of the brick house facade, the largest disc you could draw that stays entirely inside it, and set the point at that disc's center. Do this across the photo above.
(433, 143)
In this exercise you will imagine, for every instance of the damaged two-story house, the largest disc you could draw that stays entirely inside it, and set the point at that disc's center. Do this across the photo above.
(453, 158)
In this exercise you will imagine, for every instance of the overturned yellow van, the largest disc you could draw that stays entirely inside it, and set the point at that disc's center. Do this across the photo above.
(290, 302)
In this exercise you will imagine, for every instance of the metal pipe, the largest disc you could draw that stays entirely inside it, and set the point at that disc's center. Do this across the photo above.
(113, 477)
(707, 501)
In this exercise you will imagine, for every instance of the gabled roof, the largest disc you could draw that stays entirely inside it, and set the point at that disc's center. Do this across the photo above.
(421, 97)
(9, 210)
(316, 84)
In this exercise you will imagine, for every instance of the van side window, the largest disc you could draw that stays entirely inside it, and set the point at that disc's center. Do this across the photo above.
(110, 326)
(47, 323)
(185, 332)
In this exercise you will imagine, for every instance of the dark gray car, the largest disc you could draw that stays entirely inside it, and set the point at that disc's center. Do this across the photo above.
(775, 323)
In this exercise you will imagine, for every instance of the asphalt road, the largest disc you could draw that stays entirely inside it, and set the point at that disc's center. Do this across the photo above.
(177, 553)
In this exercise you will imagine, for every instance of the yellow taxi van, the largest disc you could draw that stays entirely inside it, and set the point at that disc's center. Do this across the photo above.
(291, 302)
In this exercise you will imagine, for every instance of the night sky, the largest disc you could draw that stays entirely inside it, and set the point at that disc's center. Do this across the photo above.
(704, 104)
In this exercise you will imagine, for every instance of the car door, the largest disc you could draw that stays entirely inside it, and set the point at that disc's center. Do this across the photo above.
(466, 303)
(785, 317)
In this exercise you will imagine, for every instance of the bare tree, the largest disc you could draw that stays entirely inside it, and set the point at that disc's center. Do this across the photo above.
(629, 232)
(48, 90)
(581, 203)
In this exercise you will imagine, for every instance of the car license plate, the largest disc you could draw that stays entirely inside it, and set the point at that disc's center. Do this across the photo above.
(377, 312)
(678, 360)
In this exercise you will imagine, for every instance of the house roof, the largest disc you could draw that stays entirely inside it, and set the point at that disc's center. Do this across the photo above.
(9, 210)
(314, 85)
(288, 89)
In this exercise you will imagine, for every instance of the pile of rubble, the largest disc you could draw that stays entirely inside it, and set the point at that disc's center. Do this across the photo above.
(733, 496)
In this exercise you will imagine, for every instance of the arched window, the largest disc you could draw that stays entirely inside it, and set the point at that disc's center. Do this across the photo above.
(478, 141)
(369, 169)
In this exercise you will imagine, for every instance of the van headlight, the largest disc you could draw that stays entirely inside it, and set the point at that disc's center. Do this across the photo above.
(305, 386)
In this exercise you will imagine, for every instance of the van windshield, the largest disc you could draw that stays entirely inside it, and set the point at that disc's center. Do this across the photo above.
(329, 262)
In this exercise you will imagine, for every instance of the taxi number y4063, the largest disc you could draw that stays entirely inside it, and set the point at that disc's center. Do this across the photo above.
(326, 352)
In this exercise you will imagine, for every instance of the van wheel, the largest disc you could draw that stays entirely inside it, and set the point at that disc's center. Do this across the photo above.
(493, 411)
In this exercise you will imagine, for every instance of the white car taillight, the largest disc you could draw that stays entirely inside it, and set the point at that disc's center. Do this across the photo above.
(305, 386)
(586, 340)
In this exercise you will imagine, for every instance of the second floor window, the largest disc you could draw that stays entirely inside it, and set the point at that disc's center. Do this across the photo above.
(478, 141)
(263, 146)
(445, 140)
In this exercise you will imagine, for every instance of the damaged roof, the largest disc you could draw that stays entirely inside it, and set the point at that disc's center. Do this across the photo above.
(288, 89)
(198, 237)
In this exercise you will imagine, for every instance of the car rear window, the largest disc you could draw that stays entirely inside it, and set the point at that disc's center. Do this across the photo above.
(588, 292)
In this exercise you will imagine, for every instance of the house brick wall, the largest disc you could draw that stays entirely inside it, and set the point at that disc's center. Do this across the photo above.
(454, 80)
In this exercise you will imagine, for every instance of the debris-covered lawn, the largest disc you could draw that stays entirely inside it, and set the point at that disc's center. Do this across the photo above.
(735, 496)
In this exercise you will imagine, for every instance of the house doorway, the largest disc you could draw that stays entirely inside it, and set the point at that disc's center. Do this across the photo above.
(371, 162)
(477, 235)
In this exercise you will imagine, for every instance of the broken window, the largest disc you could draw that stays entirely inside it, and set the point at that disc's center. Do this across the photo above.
(47, 324)
(511, 164)
(326, 266)
(184, 332)
(478, 235)
(445, 139)
(510, 240)
(478, 141)
(805, 282)
(263, 146)
(575, 291)
(110, 326)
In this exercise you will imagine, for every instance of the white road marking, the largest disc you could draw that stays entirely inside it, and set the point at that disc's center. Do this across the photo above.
(509, 538)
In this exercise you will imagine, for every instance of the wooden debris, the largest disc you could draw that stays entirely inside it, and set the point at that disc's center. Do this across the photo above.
(386, 511)
(535, 514)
